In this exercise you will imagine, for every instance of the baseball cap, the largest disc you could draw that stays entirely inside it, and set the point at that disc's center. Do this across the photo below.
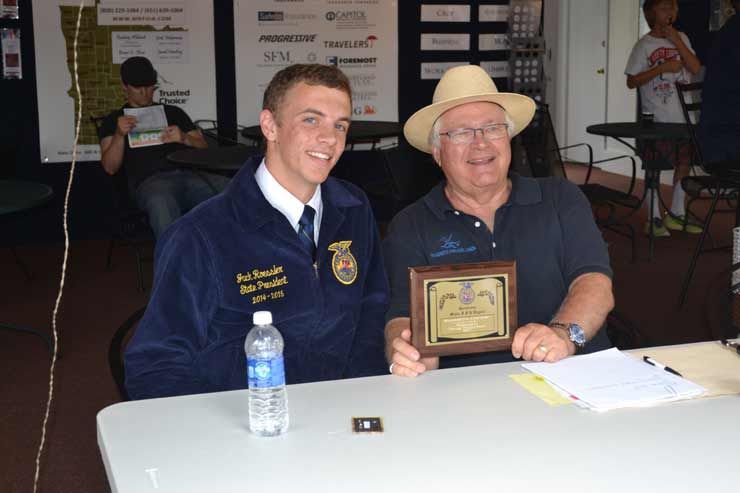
(137, 71)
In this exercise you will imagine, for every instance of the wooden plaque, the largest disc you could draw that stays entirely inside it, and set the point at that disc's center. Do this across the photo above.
(463, 308)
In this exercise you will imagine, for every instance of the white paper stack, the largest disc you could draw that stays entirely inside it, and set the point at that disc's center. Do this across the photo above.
(610, 380)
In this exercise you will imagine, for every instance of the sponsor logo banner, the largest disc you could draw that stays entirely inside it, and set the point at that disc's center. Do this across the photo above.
(358, 36)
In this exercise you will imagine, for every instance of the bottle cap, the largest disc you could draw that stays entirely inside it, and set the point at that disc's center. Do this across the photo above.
(262, 318)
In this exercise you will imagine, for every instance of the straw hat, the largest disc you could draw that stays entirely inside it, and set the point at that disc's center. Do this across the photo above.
(460, 85)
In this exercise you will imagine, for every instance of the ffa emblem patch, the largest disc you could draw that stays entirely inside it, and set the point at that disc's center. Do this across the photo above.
(343, 263)
(467, 295)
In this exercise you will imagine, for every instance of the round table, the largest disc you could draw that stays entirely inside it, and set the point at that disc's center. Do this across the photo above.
(225, 158)
(359, 131)
(16, 197)
(646, 133)
(19, 196)
(640, 130)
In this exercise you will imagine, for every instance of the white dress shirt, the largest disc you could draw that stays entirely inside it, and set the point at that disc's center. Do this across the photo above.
(287, 203)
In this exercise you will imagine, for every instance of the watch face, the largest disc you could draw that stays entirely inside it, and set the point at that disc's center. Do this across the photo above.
(576, 334)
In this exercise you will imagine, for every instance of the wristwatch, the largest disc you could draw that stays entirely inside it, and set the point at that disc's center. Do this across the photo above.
(575, 334)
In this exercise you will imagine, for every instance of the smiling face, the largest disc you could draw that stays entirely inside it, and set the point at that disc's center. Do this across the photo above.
(306, 136)
(481, 166)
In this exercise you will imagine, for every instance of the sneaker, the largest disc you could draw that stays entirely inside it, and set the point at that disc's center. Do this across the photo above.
(659, 230)
(677, 224)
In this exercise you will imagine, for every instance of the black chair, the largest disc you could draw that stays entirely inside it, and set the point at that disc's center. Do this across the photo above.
(623, 333)
(128, 224)
(117, 348)
(411, 173)
(719, 180)
(541, 155)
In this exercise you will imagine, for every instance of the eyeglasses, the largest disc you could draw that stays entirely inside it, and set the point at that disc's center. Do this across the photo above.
(490, 133)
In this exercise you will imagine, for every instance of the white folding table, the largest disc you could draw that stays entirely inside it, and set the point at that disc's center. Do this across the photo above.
(458, 430)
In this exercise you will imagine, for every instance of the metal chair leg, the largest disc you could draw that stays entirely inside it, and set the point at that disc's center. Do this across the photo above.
(697, 250)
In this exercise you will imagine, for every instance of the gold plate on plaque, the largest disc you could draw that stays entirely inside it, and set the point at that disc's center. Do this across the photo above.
(463, 308)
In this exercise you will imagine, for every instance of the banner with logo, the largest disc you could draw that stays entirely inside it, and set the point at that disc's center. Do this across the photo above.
(358, 36)
(176, 35)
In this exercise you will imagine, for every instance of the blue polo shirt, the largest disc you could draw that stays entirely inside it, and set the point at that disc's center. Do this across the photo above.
(546, 226)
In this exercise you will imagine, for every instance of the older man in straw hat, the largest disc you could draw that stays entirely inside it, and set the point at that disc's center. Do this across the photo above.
(483, 213)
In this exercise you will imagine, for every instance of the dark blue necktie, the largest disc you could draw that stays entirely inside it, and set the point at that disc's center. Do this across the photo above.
(305, 230)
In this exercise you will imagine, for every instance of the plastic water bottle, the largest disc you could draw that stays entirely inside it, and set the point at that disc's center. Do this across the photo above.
(268, 399)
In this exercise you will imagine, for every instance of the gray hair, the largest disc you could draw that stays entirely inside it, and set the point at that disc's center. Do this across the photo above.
(434, 134)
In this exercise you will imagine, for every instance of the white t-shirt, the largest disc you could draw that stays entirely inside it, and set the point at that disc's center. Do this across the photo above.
(659, 95)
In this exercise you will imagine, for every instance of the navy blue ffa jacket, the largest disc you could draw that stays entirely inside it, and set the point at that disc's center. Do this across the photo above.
(234, 255)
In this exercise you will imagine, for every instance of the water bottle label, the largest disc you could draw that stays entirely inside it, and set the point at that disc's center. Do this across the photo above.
(265, 373)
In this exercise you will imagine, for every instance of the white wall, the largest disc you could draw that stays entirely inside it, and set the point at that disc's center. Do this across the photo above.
(621, 102)
(621, 105)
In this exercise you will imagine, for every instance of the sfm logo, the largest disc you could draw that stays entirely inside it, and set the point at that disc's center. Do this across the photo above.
(277, 56)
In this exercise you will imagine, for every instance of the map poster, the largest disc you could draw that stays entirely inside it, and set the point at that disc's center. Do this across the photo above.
(358, 36)
(176, 35)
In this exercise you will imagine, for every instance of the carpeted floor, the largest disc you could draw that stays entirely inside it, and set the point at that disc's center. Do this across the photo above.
(96, 302)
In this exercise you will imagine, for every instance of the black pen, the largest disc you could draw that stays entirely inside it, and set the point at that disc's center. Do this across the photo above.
(651, 361)
(731, 344)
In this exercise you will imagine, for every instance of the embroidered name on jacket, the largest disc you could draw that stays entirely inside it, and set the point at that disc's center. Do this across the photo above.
(449, 246)
(262, 284)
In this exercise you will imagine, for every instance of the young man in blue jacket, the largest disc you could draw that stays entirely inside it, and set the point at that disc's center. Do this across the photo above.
(283, 237)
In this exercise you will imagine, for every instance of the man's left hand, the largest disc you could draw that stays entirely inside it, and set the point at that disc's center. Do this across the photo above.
(173, 134)
(537, 342)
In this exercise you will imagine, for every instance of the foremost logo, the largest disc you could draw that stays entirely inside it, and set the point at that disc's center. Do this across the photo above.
(287, 38)
(343, 61)
(345, 15)
(348, 61)
(368, 42)
(264, 16)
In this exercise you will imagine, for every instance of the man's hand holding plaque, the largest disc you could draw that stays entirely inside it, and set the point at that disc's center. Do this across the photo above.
(463, 308)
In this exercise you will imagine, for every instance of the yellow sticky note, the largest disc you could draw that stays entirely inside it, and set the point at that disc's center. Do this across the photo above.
(539, 387)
